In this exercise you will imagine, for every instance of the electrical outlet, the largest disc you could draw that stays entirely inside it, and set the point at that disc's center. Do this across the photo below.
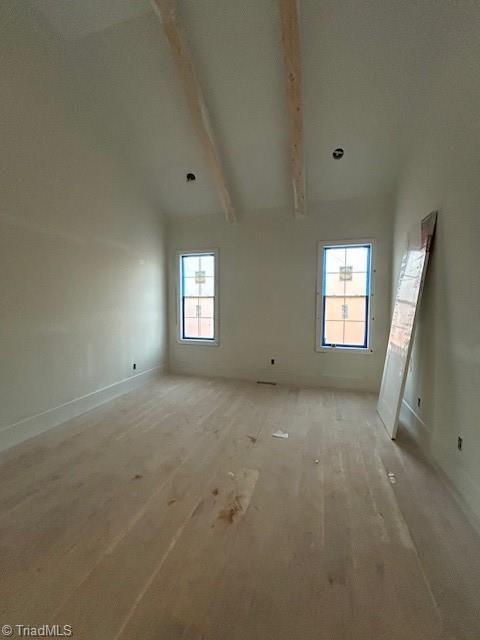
(459, 443)
(134, 365)
(272, 361)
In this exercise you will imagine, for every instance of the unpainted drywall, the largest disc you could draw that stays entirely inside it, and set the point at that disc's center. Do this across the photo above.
(82, 259)
(267, 275)
(442, 172)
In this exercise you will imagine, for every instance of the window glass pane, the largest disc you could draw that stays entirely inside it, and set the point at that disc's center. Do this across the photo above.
(207, 264)
(190, 264)
(206, 328)
(355, 308)
(334, 308)
(357, 286)
(357, 258)
(208, 287)
(334, 259)
(346, 290)
(205, 307)
(190, 307)
(333, 332)
(334, 286)
(191, 328)
(191, 288)
(354, 333)
(197, 296)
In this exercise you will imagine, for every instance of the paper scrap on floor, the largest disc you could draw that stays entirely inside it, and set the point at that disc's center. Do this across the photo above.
(280, 434)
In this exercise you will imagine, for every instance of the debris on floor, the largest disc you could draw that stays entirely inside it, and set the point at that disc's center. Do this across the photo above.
(392, 477)
(238, 499)
(215, 492)
(228, 514)
(231, 474)
(252, 439)
(280, 434)
(171, 501)
(137, 476)
(316, 460)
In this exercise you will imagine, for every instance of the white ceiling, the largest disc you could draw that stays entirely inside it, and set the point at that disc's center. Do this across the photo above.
(75, 19)
(367, 69)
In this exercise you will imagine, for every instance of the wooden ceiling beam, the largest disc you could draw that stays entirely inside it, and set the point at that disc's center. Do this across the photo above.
(293, 74)
(166, 10)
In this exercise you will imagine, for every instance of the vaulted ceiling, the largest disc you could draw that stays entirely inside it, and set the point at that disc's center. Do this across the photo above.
(366, 66)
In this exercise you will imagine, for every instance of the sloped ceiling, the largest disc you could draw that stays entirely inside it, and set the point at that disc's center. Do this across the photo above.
(74, 20)
(367, 66)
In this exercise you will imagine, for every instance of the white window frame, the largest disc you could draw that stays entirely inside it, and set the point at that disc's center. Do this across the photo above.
(319, 347)
(179, 320)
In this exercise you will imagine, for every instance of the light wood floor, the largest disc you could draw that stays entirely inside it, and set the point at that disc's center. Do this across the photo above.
(173, 513)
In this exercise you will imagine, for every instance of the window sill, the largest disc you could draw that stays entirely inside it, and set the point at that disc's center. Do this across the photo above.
(365, 352)
(203, 343)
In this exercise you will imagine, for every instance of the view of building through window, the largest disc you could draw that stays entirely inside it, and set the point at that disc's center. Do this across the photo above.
(197, 284)
(345, 295)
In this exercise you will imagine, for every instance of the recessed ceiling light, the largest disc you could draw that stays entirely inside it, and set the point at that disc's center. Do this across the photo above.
(191, 177)
(338, 153)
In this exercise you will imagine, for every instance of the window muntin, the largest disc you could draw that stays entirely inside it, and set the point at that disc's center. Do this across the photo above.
(345, 295)
(197, 304)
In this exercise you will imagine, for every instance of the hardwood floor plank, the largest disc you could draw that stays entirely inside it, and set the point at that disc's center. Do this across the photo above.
(173, 513)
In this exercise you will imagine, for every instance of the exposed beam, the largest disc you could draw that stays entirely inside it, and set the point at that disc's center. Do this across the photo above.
(293, 71)
(166, 10)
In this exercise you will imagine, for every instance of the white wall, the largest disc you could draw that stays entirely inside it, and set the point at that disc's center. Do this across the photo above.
(443, 172)
(82, 259)
(267, 294)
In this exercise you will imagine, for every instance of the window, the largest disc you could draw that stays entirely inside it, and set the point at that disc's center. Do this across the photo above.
(198, 297)
(344, 296)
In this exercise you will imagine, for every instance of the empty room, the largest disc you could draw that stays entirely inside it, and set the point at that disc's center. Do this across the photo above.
(240, 319)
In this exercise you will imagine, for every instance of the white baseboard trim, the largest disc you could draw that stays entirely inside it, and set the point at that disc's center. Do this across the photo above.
(296, 380)
(415, 426)
(440, 460)
(22, 430)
